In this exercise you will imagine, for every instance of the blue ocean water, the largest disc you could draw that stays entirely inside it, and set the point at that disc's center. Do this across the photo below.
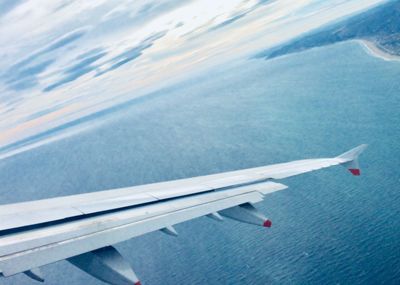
(328, 227)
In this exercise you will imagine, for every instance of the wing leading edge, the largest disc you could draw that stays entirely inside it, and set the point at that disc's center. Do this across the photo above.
(82, 228)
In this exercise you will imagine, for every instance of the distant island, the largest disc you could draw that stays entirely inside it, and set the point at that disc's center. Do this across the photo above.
(378, 29)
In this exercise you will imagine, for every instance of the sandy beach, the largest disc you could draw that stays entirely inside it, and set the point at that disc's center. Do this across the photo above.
(374, 50)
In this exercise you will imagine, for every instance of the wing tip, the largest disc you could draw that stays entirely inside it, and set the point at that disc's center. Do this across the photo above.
(349, 159)
(353, 153)
(355, 171)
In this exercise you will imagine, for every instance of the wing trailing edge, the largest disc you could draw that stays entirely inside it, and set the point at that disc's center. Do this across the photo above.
(24, 250)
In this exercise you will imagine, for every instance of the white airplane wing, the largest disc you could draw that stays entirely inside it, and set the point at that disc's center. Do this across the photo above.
(83, 228)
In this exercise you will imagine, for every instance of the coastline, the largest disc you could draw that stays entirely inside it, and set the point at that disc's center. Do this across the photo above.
(373, 50)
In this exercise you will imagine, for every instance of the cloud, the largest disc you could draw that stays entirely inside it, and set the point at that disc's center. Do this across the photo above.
(78, 69)
(131, 53)
(66, 39)
(26, 76)
(135, 14)
(23, 74)
(228, 21)
(56, 44)
(85, 63)
(239, 12)
(7, 5)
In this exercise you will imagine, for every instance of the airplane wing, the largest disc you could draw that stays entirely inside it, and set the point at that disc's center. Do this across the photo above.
(82, 228)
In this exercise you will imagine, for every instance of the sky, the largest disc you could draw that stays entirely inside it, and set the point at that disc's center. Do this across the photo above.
(62, 62)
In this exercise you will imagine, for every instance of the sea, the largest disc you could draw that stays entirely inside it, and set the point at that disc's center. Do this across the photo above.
(329, 227)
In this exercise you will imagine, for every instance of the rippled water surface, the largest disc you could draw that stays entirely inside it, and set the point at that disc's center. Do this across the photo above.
(328, 227)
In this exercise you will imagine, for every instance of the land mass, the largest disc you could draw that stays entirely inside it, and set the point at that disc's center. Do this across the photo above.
(376, 51)
(378, 29)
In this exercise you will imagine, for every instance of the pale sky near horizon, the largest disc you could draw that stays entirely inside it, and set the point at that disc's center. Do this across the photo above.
(63, 60)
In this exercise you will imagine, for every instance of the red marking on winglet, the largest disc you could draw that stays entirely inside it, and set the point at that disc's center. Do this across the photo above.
(355, 171)
(267, 223)
(138, 283)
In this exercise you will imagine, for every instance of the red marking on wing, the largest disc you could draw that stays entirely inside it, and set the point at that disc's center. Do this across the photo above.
(267, 223)
(355, 171)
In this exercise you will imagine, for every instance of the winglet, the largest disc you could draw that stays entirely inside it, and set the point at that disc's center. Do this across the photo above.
(350, 159)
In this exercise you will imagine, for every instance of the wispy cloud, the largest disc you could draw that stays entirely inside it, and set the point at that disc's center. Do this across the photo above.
(6, 6)
(23, 74)
(81, 67)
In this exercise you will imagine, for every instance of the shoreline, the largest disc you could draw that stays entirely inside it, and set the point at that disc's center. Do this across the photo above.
(373, 50)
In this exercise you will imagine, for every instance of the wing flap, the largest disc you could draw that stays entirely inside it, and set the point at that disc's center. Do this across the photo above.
(49, 210)
(21, 251)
